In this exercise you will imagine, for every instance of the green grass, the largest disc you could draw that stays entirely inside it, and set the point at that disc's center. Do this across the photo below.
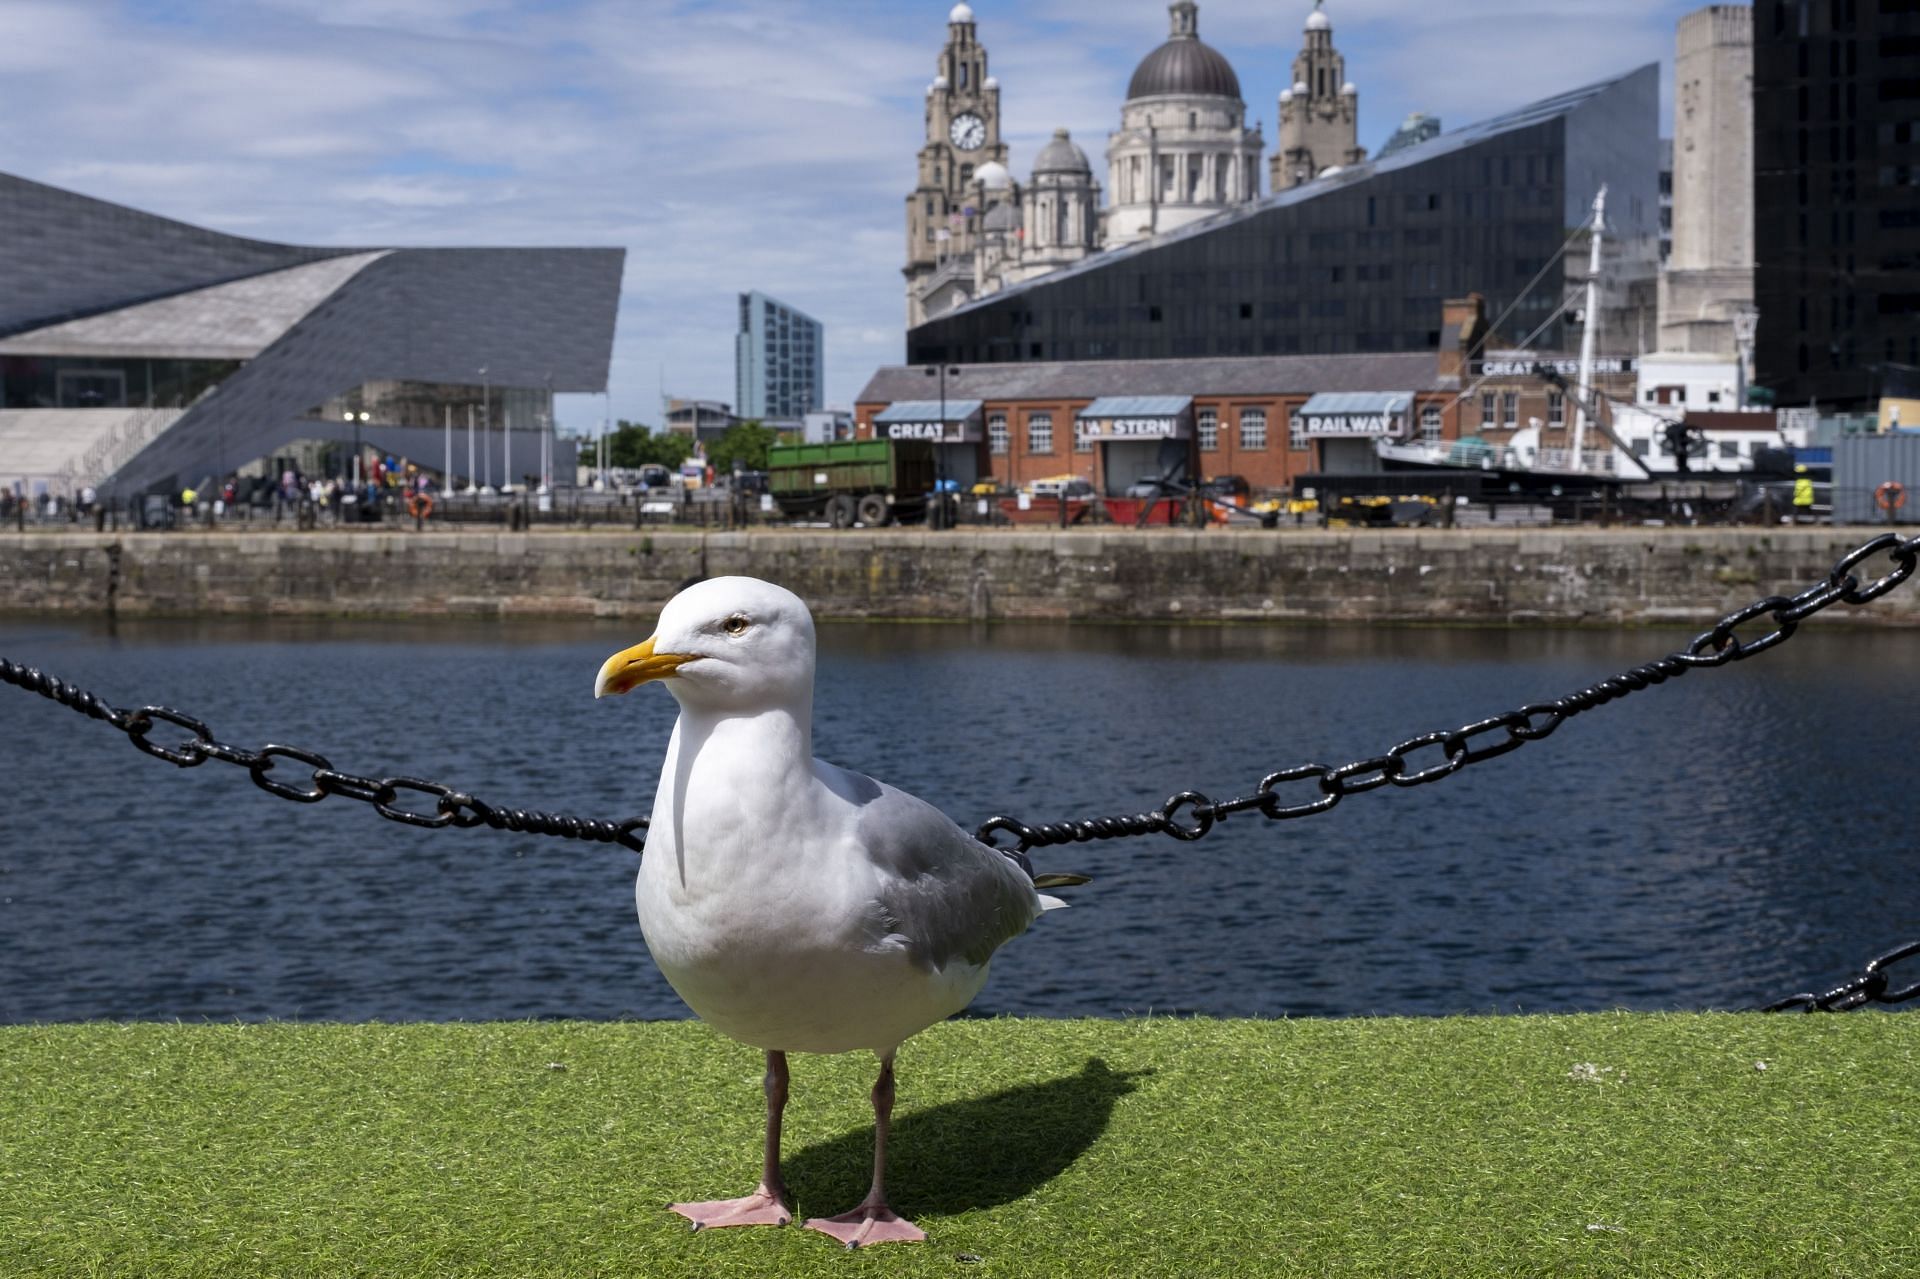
(1555, 1146)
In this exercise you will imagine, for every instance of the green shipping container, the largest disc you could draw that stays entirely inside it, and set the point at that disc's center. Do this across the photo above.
(898, 474)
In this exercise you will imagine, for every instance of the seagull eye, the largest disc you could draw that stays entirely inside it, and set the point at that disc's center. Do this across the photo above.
(735, 625)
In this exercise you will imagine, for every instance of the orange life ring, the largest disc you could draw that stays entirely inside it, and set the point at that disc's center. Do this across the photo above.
(419, 505)
(1890, 496)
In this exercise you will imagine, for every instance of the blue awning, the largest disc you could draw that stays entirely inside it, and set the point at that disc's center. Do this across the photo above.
(926, 411)
(1355, 415)
(1349, 403)
(1137, 406)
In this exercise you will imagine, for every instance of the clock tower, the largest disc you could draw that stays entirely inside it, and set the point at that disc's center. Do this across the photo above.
(947, 208)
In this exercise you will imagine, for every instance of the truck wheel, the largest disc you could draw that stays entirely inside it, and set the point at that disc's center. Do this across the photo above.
(841, 511)
(874, 511)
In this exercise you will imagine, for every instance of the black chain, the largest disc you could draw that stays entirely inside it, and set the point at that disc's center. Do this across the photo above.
(1190, 814)
(1186, 816)
(1870, 987)
(451, 807)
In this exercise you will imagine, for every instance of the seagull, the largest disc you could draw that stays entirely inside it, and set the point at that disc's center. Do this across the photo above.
(794, 905)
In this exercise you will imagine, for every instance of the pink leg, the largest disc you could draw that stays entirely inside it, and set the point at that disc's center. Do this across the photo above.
(767, 1205)
(873, 1222)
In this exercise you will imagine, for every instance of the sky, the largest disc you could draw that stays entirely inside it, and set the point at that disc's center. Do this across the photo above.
(727, 146)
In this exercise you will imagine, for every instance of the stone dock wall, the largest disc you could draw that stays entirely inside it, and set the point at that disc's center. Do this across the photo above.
(1410, 576)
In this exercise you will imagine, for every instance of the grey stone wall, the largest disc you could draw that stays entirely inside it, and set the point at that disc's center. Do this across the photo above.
(1575, 576)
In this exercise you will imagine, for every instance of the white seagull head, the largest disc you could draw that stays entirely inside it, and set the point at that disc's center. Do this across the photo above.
(728, 643)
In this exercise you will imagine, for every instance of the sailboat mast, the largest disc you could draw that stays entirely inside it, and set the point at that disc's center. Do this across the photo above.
(1587, 331)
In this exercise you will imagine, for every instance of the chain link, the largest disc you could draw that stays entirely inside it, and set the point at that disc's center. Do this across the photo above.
(1870, 987)
(451, 807)
(1191, 815)
(1187, 816)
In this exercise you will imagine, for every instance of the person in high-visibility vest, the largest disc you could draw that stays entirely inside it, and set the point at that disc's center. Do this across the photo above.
(1802, 495)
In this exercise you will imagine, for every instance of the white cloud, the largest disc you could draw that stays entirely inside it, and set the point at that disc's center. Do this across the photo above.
(727, 144)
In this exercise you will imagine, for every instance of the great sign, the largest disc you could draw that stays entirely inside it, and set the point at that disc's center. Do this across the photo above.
(918, 431)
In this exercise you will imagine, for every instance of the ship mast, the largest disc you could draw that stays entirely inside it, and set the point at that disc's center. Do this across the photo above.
(1587, 330)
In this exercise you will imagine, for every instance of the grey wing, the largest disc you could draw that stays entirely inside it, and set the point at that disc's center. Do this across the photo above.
(943, 892)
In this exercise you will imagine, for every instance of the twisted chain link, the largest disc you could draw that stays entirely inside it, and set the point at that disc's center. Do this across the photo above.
(451, 807)
(1307, 789)
(1188, 815)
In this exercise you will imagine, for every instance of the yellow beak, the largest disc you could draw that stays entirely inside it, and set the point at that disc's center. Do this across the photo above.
(630, 668)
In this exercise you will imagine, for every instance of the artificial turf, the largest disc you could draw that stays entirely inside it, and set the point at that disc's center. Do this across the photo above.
(1619, 1144)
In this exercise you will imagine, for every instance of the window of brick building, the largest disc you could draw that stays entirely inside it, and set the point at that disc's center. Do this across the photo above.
(997, 433)
(1486, 409)
(1039, 432)
(1207, 425)
(1510, 409)
(1430, 423)
(1556, 409)
(1253, 428)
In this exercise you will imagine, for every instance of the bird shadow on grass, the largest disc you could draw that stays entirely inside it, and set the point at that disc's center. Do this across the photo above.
(963, 1155)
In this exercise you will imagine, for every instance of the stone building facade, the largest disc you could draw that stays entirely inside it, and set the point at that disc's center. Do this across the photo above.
(945, 212)
(1183, 150)
(1319, 112)
(1708, 278)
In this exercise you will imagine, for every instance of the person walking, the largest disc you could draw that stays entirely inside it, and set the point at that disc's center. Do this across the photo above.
(1802, 495)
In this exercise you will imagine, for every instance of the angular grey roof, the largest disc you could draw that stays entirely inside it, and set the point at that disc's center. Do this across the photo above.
(1226, 375)
(1184, 65)
(1001, 217)
(232, 321)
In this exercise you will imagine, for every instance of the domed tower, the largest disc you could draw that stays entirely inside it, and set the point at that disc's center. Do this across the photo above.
(963, 134)
(1319, 113)
(1062, 208)
(1182, 151)
(996, 254)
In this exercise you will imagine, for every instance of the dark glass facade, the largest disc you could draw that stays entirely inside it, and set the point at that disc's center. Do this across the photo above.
(1836, 196)
(93, 382)
(1359, 261)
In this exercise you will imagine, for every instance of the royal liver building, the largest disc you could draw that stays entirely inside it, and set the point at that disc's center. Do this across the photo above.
(1183, 151)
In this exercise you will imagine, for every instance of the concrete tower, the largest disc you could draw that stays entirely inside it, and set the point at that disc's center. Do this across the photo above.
(1319, 112)
(963, 133)
(1182, 151)
(1709, 275)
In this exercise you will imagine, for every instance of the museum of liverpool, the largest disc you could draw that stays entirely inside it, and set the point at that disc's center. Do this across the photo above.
(140, 354)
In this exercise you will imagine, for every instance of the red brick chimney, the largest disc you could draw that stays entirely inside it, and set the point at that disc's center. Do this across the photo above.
(1463, 332)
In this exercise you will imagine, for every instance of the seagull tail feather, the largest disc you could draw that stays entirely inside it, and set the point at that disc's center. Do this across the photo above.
(1051, 903)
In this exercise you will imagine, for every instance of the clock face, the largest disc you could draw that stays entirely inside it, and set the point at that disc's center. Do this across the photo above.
(969, 132)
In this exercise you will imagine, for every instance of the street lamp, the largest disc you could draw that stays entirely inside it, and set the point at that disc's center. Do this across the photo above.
(942, 371)
(486, 427)
(1746, 323)
(356, 419)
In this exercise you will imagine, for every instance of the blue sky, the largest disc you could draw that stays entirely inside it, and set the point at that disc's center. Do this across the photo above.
(727, 146)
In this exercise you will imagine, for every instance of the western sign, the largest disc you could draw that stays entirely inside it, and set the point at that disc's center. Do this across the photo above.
(1523, 366)
(1130, 428)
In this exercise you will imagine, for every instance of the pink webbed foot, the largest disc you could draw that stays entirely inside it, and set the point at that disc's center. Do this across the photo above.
(867, 1225)
(763, 1207)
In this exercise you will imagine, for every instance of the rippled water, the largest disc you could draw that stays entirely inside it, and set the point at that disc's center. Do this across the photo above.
(1723, 840)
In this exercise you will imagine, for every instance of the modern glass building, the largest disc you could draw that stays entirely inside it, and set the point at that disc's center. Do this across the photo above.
(1836, 198)
(779, 361)
(1360, 259)
(138, 352)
